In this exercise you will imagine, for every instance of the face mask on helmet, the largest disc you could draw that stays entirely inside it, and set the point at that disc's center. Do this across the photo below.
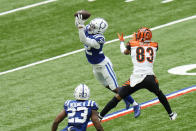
(82, 92)
(97, 26)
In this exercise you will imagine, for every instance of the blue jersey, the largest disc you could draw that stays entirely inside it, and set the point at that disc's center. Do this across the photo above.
(79, 113)
(93, 55)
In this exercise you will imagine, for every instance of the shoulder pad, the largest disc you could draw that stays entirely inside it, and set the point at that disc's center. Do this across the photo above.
(87, 27)
(67, 102)
(93, 105)
(133, 43)
(154, 44)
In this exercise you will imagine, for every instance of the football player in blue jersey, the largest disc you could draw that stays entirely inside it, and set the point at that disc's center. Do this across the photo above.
(79, 112)
(93, 39)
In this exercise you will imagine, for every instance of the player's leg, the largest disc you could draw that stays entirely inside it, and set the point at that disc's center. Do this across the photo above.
(124, 92)
(99, 76)
(136, 106)
(109, 75)
(111, 79)
(109, 106)
(128, 99)
(153, 86)
(129, 90)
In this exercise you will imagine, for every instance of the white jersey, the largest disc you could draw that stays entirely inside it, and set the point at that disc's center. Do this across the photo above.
(143, 56)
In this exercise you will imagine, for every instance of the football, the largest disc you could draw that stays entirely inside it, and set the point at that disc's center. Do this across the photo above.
(85, 14)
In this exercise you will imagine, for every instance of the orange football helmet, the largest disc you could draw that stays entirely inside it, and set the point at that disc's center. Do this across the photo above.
(144, 34)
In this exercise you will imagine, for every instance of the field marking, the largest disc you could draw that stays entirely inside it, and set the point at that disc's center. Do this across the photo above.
(166, 1)
(182, 70)
(27, 7)
(80, 50)
(91, 0)
(129, 0)
(146, 104)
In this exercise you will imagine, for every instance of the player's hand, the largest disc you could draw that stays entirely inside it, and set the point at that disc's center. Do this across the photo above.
(78, 21)
(120, 37)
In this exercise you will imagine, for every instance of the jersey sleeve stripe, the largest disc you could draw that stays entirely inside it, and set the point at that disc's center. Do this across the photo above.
(89, 102)
(67, 102)
(92, 103)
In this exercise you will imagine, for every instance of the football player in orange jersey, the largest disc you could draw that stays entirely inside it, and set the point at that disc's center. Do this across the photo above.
(143, 52)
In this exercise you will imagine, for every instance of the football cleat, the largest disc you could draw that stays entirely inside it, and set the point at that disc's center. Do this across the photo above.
(173, 116)
(136, 111)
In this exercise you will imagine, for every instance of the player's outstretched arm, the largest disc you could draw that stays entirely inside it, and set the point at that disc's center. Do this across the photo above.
(95, 120)
(60, 117)
(123, 49)
(79, 22)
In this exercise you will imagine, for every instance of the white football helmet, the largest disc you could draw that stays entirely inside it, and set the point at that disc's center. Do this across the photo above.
(98, 26)
(82, 92)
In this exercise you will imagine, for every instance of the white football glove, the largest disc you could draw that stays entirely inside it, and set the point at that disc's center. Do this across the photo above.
(79, 22)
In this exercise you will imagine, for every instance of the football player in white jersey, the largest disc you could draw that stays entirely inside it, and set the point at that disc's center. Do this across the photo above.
(92, 37)
(143, 52)
(79, 112)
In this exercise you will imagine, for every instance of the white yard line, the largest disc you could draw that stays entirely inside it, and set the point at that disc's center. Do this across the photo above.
(80, 50)
(91, 0)
(183, 70)
(166, 1)
(129, 0)
(26, 7)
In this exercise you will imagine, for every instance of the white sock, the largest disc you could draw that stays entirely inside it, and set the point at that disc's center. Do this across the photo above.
(171, 114)
(135, 103)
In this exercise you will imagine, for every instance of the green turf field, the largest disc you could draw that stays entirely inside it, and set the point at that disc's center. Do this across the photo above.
(31, 98)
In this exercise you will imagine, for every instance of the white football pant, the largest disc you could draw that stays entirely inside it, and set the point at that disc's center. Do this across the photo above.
(104, 73)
